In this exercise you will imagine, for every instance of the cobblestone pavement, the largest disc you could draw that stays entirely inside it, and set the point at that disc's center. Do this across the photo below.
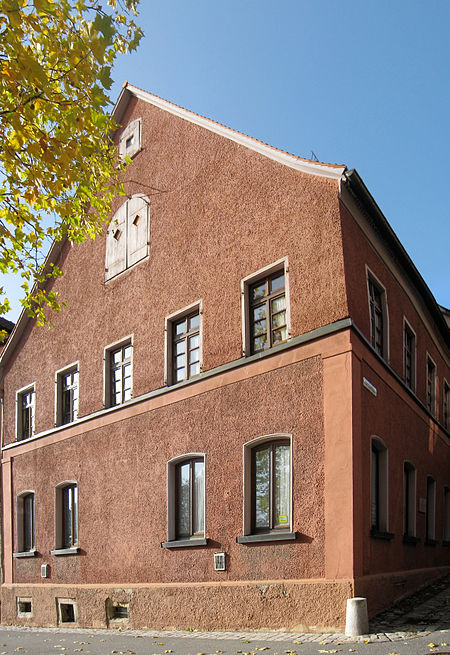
(411, 624)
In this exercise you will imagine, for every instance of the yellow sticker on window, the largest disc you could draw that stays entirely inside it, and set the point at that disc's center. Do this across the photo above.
(282, 519)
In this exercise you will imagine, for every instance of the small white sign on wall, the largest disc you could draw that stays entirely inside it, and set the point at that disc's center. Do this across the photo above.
(369, 386)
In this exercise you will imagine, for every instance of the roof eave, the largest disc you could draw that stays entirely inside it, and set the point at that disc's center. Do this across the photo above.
(23, 319)
(320, 169)
(380, 223)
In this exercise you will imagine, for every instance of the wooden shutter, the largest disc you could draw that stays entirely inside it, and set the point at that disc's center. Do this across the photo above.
(138, 236)
(116, 243)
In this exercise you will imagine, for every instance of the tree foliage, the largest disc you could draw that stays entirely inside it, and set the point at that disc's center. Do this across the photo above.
(58, 167)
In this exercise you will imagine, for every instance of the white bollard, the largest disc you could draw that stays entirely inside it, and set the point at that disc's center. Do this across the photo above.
(356, 619)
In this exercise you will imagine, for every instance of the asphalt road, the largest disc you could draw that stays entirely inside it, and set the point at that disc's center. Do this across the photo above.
(41, 641)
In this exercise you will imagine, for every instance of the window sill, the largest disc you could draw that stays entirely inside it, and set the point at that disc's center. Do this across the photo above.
(379, 534)
(431, 542)
(409, 539)
(270, 536)
(184, 543)
(26, 553)
(74, 550)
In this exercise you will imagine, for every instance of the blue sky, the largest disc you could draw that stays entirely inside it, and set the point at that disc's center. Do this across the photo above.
(365, 84)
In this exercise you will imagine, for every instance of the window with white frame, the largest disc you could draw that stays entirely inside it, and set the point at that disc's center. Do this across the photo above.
(265, 308)
(268, 489)
(430, 516)
(25, 403)
(431, 386)
(66, 518)
(67, 610)
(128, 236)
(130, 139)
(409, 496)
(379, 487)
(184, 344)
(378, 316)
(118, 373)
(409, 355)
(25, 525)
(67, 394)
(186, 501)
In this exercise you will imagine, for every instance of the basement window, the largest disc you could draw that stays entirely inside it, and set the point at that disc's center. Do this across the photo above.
(117, 611)
(67, 610)
(24, 608)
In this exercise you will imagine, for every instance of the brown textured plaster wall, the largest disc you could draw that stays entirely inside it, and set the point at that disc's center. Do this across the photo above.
(409, 435)
(218, 213)
(359, 253)
(289, 605)
(122, 479)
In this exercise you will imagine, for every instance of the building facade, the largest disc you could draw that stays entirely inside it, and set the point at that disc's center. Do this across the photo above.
(241, 418)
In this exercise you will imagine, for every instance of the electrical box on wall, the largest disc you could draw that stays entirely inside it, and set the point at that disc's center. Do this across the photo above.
(44, 570)
(219, 562)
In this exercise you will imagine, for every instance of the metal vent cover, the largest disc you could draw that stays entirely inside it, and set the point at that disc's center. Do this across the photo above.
(44, 570)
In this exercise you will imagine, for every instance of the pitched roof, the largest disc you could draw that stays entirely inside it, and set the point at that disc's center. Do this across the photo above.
(333, 171)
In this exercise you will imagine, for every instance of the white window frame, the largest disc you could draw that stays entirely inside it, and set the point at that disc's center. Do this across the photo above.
(370, 276)
(70, 368)
(407, 326)
(132, 130)
(246, 282)
(20, 613)
(66, 601)
(434, 398)
(412, 504)
(383, 485)
(248, 448)
(172, 498)
(19, 395)
(60, 548)
(110, 348)
(169, 322)
(20, 537)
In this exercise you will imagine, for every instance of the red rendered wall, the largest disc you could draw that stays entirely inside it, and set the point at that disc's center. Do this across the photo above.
(218, 213)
